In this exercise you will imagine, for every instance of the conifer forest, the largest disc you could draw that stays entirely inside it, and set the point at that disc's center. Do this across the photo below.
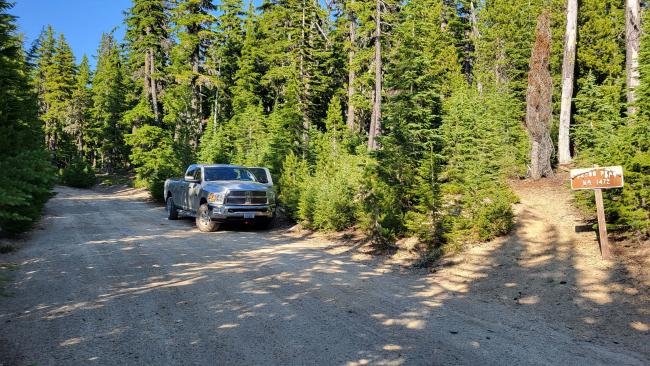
(399, 118)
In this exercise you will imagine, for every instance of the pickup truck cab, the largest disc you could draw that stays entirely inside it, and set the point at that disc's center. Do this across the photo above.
(218, 193)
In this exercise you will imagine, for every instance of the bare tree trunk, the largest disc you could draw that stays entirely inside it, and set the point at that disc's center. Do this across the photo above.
(568, 66)
(375, 118)
(351, 73)
(632, 44)
(539, 106)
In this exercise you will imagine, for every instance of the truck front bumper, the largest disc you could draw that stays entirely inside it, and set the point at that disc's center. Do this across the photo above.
(244, 212)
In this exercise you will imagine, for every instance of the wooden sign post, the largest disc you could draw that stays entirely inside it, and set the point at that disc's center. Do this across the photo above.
(598, 178)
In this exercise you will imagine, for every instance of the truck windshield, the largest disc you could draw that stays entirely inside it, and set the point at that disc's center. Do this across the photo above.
(228, 173)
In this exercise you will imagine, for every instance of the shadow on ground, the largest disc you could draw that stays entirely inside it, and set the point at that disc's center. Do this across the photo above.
(109, 281)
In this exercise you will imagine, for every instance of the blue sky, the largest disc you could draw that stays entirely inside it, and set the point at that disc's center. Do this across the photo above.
(81, 21)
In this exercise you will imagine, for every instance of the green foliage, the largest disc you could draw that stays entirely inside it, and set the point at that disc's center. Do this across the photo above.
(484, 144)
(598, 114)
(601, 50)
(266, 86)
(507, 30)
(153, 154)
(294, 175)
(25, 186)
(78, 173)
(604, 135)
(108, 92)
(27, 175)
(327, 197)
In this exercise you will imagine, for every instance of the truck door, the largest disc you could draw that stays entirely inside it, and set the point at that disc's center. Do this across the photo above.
(194, 190)
(185, 189)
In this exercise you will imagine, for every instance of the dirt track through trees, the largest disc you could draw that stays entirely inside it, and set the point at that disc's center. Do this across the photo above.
(106, 280)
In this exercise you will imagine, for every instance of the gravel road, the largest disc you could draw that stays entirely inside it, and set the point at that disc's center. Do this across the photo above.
(106, 280)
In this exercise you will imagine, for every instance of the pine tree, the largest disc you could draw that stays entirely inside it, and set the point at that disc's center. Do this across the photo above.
(27, 176)
(43, 53)
(57, 71)
(184, 102)
(421, 67)
(601, 50)
(507, 35)
(78, 114)
(223, 57)
(299, 62)
(147, 35)
(109, 105)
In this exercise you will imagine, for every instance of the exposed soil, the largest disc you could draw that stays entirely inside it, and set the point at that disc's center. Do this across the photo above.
(107, 280)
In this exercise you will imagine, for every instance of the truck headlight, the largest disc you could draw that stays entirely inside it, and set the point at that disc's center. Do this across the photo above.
(216, 198)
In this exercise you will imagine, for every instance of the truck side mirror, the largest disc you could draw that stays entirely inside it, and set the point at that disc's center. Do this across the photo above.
(190, 178)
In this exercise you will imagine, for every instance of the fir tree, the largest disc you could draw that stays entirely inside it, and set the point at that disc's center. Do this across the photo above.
(147, 35)
(57, 72)
(109, 105)
(79, 109)
(27, 176)
(184, 102)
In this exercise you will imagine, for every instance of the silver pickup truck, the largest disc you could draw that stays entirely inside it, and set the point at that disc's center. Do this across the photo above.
(217, 193)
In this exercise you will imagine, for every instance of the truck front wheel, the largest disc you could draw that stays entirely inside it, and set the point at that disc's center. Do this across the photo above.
(172, 211)
(203, 220)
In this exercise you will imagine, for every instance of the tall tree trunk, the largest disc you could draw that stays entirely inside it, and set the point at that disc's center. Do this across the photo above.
(195, 103)
(215, 109)
(351, 73)
(632, 44)
(375, 118)
(305, 118)
(473, 20)
(539, 106)
(568, 65)
(475, 35)
(154, 87)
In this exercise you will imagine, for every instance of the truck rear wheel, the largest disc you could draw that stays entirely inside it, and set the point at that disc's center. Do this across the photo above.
(172, 211)
(204, 221)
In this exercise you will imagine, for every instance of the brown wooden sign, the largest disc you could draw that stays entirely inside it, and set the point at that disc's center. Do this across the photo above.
(600, 177)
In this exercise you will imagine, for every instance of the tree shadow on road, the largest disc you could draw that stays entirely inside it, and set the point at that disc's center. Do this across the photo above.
(159, 292)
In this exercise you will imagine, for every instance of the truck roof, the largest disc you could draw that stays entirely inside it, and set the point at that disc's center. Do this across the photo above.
(214, 166)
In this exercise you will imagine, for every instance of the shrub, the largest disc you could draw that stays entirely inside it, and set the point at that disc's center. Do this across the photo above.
(78, 174)
(155, 158)
(484, 143)
(25, 185)
(294, 173)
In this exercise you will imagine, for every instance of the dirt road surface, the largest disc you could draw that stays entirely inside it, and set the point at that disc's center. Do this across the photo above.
(106, 280)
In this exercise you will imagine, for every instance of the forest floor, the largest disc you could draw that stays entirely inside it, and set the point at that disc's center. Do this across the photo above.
(106, 279)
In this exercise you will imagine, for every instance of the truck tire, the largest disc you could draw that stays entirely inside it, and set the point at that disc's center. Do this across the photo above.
(203, 220)
(172, 210)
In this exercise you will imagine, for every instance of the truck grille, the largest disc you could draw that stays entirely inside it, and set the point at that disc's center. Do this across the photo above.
(246, 198)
